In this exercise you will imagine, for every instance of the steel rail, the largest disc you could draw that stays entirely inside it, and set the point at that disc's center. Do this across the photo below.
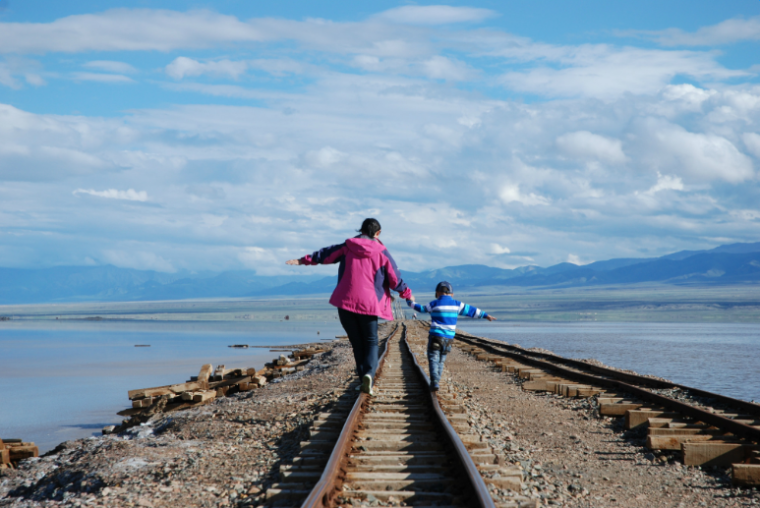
(478, 486)
(326, 488)
(750, 407)
(740, 429)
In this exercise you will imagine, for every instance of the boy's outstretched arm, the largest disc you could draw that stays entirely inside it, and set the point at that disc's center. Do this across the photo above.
(474, 312)
(416, 306)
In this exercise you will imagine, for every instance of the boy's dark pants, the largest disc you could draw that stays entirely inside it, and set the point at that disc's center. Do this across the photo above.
(362, 333)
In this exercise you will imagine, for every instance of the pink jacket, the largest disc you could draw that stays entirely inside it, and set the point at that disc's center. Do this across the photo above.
(366, 275)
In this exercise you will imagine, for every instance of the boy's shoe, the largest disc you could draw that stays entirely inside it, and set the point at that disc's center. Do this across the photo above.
(367, 384)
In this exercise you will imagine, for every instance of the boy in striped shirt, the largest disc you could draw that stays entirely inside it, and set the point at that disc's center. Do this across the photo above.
(443, 311)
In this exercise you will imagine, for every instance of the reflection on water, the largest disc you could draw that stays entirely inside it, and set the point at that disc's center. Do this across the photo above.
(66, 380)
(721, 358)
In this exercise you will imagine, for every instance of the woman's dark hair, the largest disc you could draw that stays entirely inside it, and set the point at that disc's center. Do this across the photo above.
(370, 227)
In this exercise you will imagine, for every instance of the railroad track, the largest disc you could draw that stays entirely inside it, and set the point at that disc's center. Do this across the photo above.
(397, 448)
(708, 429)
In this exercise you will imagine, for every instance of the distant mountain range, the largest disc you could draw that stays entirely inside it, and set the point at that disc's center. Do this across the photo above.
(737, 263)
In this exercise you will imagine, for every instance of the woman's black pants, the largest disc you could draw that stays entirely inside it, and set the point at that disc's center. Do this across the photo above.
(362, 333)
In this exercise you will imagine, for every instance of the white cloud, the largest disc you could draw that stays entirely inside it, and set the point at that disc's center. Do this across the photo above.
(726, 32)
(495, 248)
(752, 142)
(606, 72)
(140, 260)
(12, 70)
(666, 182)
(586, 145)
(701, 157)
(440, 67)
(434, 14)
(126, 30)
(127, 195)
(101, 78)
(324, 157)
(183, 66)
(355, 122)
(511, 193)
(576, 260)
(111, 66)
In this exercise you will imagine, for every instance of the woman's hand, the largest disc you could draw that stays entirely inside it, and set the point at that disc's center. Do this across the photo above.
(293, 262)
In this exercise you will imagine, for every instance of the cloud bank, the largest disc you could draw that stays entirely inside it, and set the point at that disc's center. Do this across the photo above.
(258, 140)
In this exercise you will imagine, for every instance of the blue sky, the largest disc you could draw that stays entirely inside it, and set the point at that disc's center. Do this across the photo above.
(224, 135)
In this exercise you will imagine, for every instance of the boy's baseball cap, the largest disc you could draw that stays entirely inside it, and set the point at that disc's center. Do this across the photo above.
(444, 287)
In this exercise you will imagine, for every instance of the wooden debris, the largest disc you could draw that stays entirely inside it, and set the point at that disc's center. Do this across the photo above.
(139, 403)
(21, 451)
(203, 376)
(211, 383)
(218, 373)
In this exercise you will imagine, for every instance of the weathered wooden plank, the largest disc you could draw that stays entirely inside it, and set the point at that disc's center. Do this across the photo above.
(25, 451)
(589, 392)
(5, 456)
(542, 385)
(572, 390)
(747, 475)
(141, 393)
(524, 373)
(164, 390)
(617, 408)
(640, 417)
(665, 442)
(142, 403)
(228, 382)
(714, 454)
(204, 395)
(204, 375)
(664, 431)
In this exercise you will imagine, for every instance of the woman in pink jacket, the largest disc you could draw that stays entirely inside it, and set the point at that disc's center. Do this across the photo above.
(366, 275)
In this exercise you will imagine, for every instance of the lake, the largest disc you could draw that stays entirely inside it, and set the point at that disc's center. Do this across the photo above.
(62, 380)
(719, 357)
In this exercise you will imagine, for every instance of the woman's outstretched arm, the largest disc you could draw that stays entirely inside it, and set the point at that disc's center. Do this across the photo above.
(325, 256)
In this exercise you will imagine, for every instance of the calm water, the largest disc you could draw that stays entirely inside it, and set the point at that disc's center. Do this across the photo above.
(66, 380)
(721, 358)
(62, 381)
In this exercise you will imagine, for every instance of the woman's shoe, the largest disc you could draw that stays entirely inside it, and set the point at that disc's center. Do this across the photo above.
(367, 384)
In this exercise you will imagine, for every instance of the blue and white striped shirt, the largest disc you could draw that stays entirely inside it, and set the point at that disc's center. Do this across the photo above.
(444, 313)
